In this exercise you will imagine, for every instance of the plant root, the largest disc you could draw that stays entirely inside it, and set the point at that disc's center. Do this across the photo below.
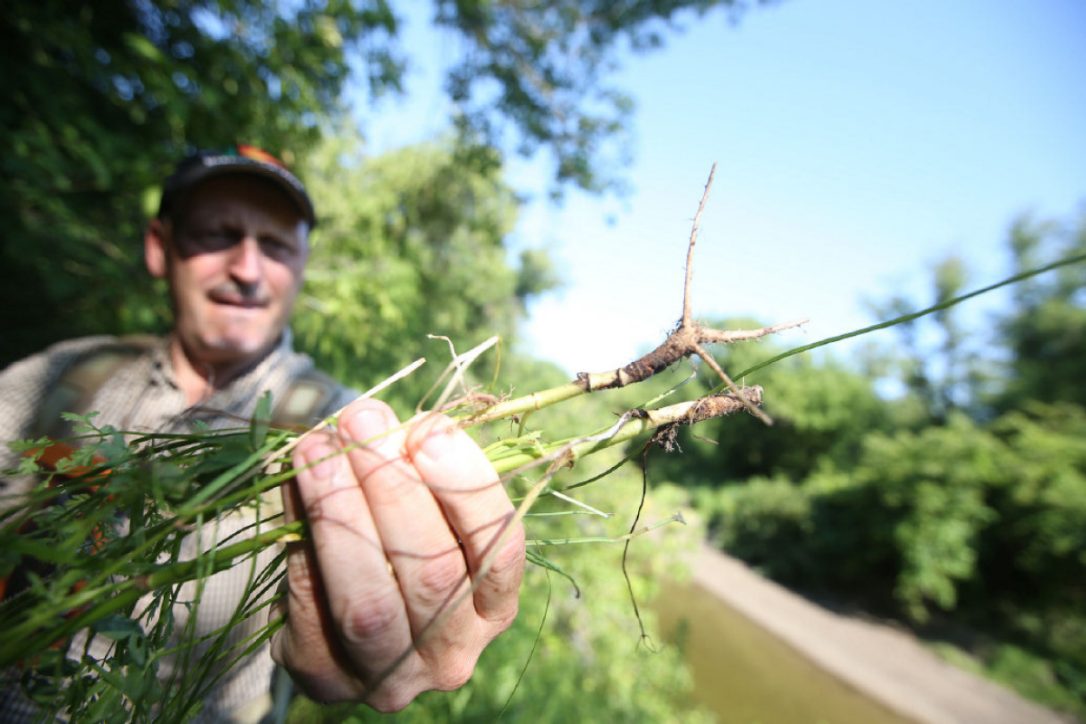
(685, 341)
(687, 338)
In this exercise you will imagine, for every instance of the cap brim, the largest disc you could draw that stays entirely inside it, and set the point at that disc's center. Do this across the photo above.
(223, 165)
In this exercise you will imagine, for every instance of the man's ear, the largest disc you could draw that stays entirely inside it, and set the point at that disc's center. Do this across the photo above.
(154, 248)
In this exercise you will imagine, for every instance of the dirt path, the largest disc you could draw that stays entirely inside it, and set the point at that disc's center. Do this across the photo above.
(882, 662)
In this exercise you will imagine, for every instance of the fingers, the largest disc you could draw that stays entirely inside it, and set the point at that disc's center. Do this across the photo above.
(424, 552)
(399, 528)
(362, 597)
(476, 505)
(302, 644)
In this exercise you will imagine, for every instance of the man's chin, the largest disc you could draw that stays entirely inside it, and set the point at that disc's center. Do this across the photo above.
(236, 350)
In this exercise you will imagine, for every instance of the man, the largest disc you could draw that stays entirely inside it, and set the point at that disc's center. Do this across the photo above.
(397, 529)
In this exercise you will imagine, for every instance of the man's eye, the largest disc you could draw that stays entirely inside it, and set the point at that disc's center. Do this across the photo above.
(213, 239)
(275, 248)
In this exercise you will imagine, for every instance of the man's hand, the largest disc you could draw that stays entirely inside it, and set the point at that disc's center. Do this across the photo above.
(399, 530)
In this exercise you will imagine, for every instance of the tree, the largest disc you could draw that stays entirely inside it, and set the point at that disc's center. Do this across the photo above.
(972, 512)
(936, 358)
(542, 67)
(109, 95)
(411, 244)
(1045, 331)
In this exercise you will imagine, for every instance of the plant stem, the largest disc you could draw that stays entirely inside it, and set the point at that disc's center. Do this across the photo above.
(914, 315)
(526, 404)
(628, 428)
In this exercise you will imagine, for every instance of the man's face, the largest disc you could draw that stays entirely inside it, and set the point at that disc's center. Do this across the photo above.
(234, 257)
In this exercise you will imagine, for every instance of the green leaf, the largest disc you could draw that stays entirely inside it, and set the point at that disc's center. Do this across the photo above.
(535, 558)
(258, 431)
(118, 627)
(143, 47)
(28, 466)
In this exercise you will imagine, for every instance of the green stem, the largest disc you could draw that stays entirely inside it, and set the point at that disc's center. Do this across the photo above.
(914, 315)
(573, 450)
(628, 428)
(527, 403)
(543, 542)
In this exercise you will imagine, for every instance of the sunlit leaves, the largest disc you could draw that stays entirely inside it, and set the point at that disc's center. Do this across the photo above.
(109, 95)
(410, 244)
(1045, 331)
(544, 69)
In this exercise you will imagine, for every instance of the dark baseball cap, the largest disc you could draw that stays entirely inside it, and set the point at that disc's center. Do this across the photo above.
(240, 159)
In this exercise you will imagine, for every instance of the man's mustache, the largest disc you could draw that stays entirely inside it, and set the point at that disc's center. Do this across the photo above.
(234, 292)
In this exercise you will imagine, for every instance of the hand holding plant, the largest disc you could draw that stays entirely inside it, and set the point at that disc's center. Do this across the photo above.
(402, 525)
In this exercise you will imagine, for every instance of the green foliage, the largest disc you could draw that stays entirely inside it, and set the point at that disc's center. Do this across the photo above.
(1045, 330)
(936, 359)
(542, 67)
(104, 552)
(766, 523)
(987, 522)
(410, 244)
(931, 488)
(1037, 678)
(935, 515)
(1041, 545)
(108, 96)
(961, 503)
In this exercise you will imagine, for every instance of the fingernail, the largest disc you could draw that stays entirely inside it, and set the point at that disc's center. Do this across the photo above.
(364, 424)
(321, 461)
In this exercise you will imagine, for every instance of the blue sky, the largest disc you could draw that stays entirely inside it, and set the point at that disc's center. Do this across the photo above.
(858, 143)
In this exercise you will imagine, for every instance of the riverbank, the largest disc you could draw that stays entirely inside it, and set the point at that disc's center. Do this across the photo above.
(881, 662)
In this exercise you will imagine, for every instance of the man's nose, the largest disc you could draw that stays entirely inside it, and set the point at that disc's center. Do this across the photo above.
(246, 261)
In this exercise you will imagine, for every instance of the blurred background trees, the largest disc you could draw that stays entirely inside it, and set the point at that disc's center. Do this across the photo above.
(103, 98)
(959, 503)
